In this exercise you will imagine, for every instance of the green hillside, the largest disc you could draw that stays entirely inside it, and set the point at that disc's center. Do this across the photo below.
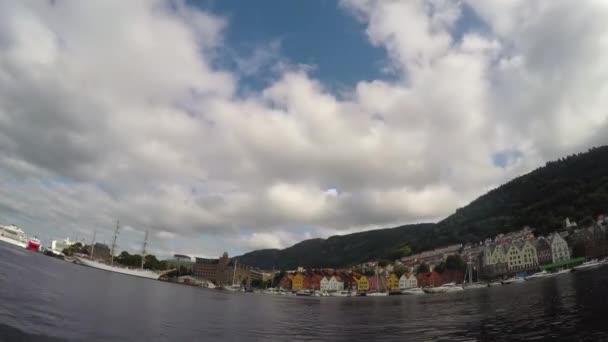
(575, 187)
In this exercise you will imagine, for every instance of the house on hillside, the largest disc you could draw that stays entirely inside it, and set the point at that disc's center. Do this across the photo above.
(522, 256)
(313, 282)
(336, 283)
(494, 262)
(559, 248)
(543, 250)
(285, 282)
(407, 281)
(429, 279)
(452, 276)
(373, 283)
(362, 284)
(297, 282)
(324, 284)
(393, 282)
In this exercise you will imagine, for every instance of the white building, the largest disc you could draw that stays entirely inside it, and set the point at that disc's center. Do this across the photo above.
(408, 281)
(336, 284)
(559, 248)
(331, 284)
(522, 256)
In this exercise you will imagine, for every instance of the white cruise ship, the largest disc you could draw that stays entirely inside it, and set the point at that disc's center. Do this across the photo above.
(13, 235)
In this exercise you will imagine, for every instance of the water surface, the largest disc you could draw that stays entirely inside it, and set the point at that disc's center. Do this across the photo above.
(46, 299)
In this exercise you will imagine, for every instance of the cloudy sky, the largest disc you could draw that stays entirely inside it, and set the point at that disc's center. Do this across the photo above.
(232, 125)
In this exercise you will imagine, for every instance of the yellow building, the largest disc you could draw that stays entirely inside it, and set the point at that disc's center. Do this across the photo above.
(393, 282)
(362, 284)
(297, 282)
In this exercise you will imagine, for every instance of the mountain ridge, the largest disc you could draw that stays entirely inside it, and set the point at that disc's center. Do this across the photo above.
(575, 186)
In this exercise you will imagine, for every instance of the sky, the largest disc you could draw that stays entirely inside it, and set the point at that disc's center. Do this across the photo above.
(233, 126)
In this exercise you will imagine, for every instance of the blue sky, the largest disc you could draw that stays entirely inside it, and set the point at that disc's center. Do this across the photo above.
(317, 33)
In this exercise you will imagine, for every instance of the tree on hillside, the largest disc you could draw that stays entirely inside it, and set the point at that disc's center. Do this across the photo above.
(423, 268)
(150, 262)
(277, 278)
(383, 263)
(73, 249)
(587, 221)
(455, 263)
(440, 267)
(399, 270)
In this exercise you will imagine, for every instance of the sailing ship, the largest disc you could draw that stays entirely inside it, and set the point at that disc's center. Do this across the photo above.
(470, 285)
(141, 272)
(234, 287)
(377, 293)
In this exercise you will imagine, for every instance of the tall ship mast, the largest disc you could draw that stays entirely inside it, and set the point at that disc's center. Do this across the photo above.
(143, 253)
(93, 244)
(114, 243)
(120, 269)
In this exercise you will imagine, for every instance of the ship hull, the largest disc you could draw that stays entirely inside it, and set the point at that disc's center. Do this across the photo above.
(132, 272)
(13, 242)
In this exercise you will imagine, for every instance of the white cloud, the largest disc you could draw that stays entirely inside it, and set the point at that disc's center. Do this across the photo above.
(132, 121)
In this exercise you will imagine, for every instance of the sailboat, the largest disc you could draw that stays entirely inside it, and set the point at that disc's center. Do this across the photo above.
(470, 285)
(234, 287)
(142, 273)
(377, 293)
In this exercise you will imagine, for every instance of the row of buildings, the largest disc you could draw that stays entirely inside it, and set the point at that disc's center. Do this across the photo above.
(345, 280)
(221, 271)
(348, 280)
(502, 256)
(522, 251)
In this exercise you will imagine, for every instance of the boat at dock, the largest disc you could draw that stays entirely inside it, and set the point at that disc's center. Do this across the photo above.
(564, 271)
(513, 280)
(542, 274)
(412, 291)
(445, 288)
(343, 293)
(587, 265)
(33, 244)
(304, 293)
(473, 286)
(233, 288)
(468, 284)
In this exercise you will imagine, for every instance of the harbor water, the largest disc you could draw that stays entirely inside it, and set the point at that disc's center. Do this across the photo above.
(46, 299)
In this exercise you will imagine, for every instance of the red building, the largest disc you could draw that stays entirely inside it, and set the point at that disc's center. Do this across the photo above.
(429, 279)
(285, 282)
(438, 279)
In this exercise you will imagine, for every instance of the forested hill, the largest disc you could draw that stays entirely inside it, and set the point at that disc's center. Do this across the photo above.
(575, 187)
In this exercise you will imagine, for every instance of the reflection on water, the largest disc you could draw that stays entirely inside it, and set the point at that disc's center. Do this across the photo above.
(46, 299)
